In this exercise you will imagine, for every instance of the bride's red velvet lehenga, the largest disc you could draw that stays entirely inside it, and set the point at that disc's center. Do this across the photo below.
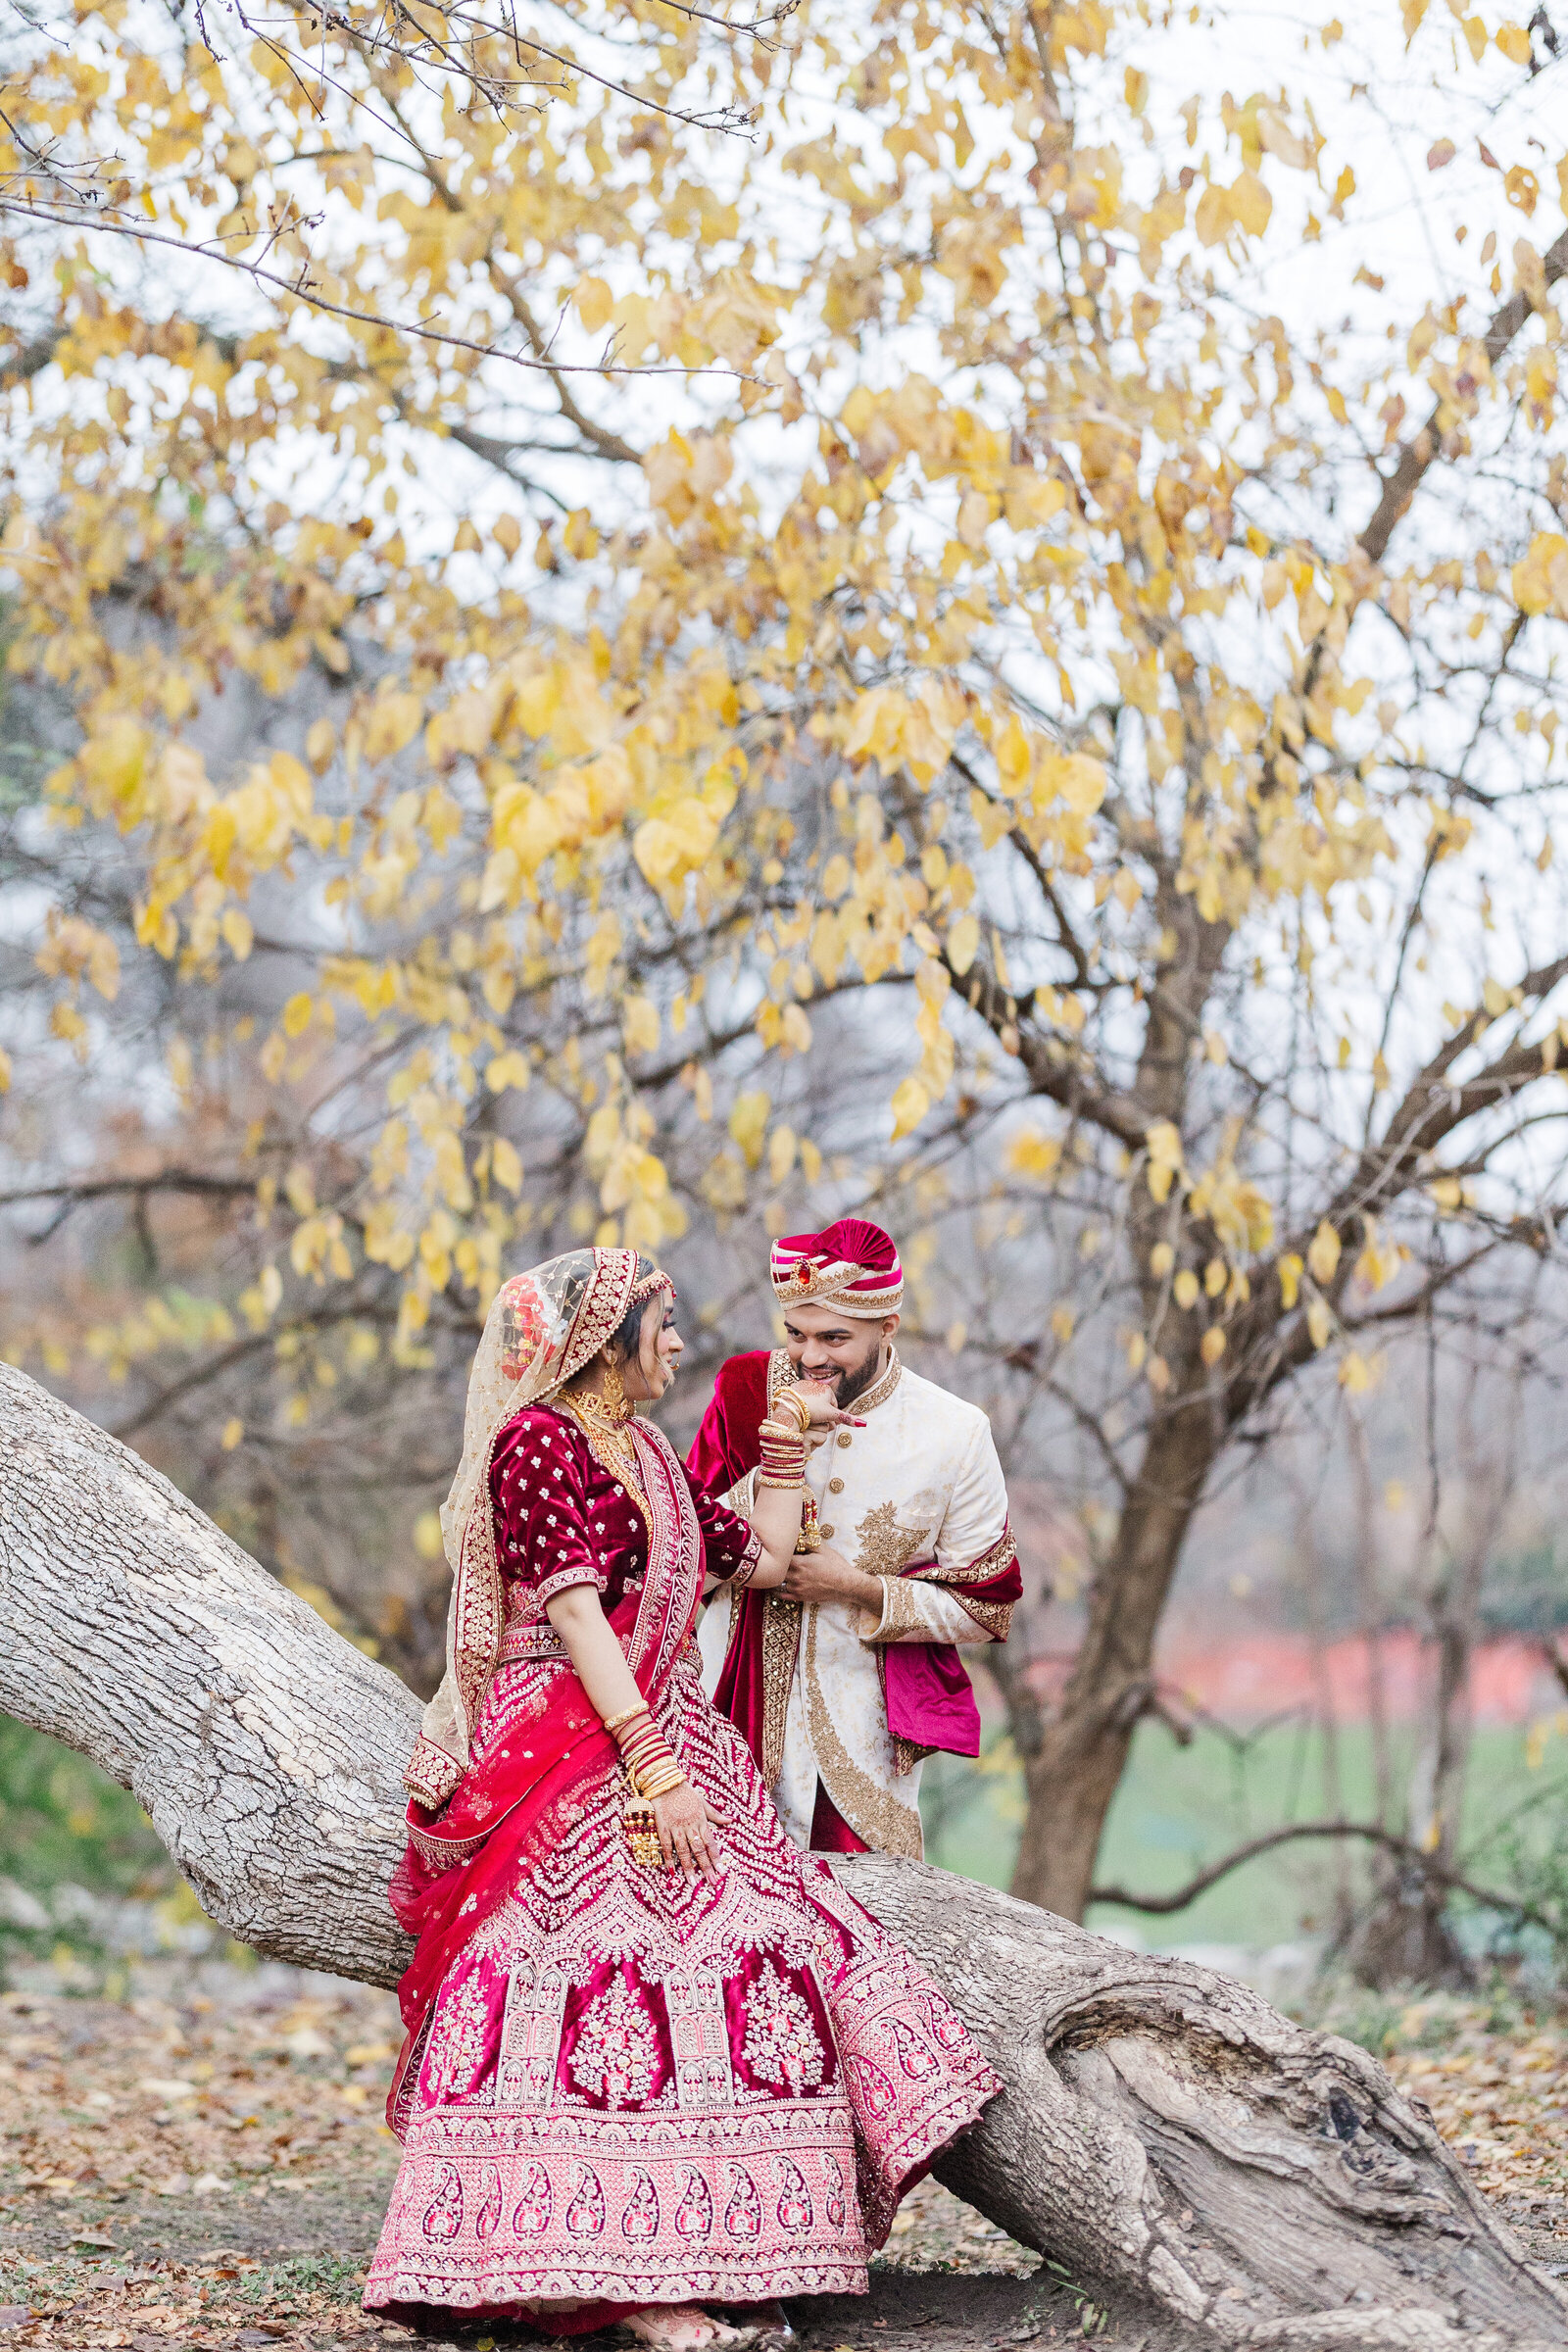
(620, 2090)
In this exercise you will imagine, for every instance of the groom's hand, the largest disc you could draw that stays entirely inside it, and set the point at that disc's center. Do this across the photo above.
(826, 1575)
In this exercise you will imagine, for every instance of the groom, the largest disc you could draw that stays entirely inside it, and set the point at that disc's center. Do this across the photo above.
(846, 1677)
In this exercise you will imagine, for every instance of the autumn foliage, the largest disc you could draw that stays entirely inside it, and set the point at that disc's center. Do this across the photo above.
(926, 586)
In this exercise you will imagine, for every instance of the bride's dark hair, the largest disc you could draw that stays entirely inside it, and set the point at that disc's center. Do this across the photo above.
(626, 1336)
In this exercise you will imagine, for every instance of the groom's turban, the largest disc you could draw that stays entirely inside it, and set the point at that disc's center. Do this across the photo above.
(851, 1266)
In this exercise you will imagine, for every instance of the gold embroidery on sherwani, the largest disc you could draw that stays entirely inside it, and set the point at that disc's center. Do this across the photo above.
(995, 1615)
(900, 1613)
(781, 1374)
(1001, 1555)
(886, 1544)
(874, 1814)
(783, 1625)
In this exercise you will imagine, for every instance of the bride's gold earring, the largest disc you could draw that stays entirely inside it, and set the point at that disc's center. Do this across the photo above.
(615, 1393)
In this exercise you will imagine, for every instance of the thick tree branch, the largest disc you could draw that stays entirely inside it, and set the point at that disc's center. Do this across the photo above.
(1163, 2130)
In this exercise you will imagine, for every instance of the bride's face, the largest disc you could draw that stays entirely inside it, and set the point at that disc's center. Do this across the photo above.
(658, 1352)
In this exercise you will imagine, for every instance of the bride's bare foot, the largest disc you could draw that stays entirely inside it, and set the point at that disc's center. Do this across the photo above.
(684, 2327)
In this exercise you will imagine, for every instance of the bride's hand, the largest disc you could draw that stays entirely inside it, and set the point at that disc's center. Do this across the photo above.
(685, 1833)
(818, 1399)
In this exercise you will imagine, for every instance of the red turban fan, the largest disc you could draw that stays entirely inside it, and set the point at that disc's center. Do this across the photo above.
(851, 1266)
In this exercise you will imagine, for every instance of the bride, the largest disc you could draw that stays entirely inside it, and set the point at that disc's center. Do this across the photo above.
(657, 2059)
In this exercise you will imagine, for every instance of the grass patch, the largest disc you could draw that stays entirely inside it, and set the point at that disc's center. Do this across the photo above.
(1180, 1808)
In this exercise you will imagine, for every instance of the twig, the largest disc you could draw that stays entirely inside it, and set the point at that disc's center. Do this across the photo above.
(1162, 1904)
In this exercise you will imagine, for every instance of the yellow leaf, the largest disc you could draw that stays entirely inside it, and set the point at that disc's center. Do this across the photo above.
(747, 1123)
(428, 1541)
(537, 701)
(297, 1014)
(1033, 1153)
(1212, 1345)
(1319, 1322)
(911, 1103)
(320, 742)
(5, 1071)
(595, 303)
(1323, 1256)
(640, 1024)
(395, 718)
(1539, 579)
(1062, 1320)
(1012, 759)
(1251, 204)
(504, 1166)
(233, 1431)
(963, 943)
(1212, 219)
(1161, 1258)
(1185, 1287)
(1164, 1145)
(1354, 1374)
(1290, 1269)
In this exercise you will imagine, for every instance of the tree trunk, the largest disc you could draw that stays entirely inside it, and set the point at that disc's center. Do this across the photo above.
(1164, 2133)
(1076, 1768)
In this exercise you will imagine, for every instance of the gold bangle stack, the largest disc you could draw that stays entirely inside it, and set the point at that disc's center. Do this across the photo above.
(797, 1405)
(645, 1754)
(783, 1463)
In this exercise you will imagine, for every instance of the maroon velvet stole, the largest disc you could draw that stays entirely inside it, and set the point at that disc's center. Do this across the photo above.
(929, 1698)
(461, 1862)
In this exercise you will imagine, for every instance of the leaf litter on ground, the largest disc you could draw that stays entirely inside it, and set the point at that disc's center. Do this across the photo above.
(208, 2167)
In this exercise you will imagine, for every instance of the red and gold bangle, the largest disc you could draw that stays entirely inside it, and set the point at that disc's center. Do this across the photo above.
(783, 1456)
(649, 1762)
(797, 1405)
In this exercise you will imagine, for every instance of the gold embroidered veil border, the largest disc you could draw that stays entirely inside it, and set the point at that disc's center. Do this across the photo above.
(543, 1327)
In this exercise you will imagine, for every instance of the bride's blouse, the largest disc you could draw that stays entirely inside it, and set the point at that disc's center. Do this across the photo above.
(562, 1519)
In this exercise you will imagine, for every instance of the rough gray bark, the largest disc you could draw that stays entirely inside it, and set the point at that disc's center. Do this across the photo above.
(1165, 2133)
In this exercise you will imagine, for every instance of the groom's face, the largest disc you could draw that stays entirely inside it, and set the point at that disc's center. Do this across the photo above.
(843, 1352)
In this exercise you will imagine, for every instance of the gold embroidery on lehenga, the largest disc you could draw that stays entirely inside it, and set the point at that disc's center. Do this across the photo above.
(781, 1644)
(699, 2035)
(530, 2037)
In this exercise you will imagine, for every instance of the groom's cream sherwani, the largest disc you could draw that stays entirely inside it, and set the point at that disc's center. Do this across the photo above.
(916, 1498)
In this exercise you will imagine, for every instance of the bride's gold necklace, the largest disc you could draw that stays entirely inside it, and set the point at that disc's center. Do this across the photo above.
(610, 1440)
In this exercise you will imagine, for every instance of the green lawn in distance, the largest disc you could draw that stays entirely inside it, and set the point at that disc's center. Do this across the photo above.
(1179, 1808)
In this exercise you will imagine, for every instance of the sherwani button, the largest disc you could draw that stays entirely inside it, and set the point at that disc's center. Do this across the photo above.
(825, 1528)
(844, 1437)
(835, 1486)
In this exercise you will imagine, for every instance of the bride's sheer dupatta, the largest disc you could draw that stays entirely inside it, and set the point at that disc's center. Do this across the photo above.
(470, 1824)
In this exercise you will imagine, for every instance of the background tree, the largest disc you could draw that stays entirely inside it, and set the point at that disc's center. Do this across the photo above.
(1023, 720)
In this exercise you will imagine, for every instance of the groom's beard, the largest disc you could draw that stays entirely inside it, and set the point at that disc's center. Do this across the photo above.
(851, 1384)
